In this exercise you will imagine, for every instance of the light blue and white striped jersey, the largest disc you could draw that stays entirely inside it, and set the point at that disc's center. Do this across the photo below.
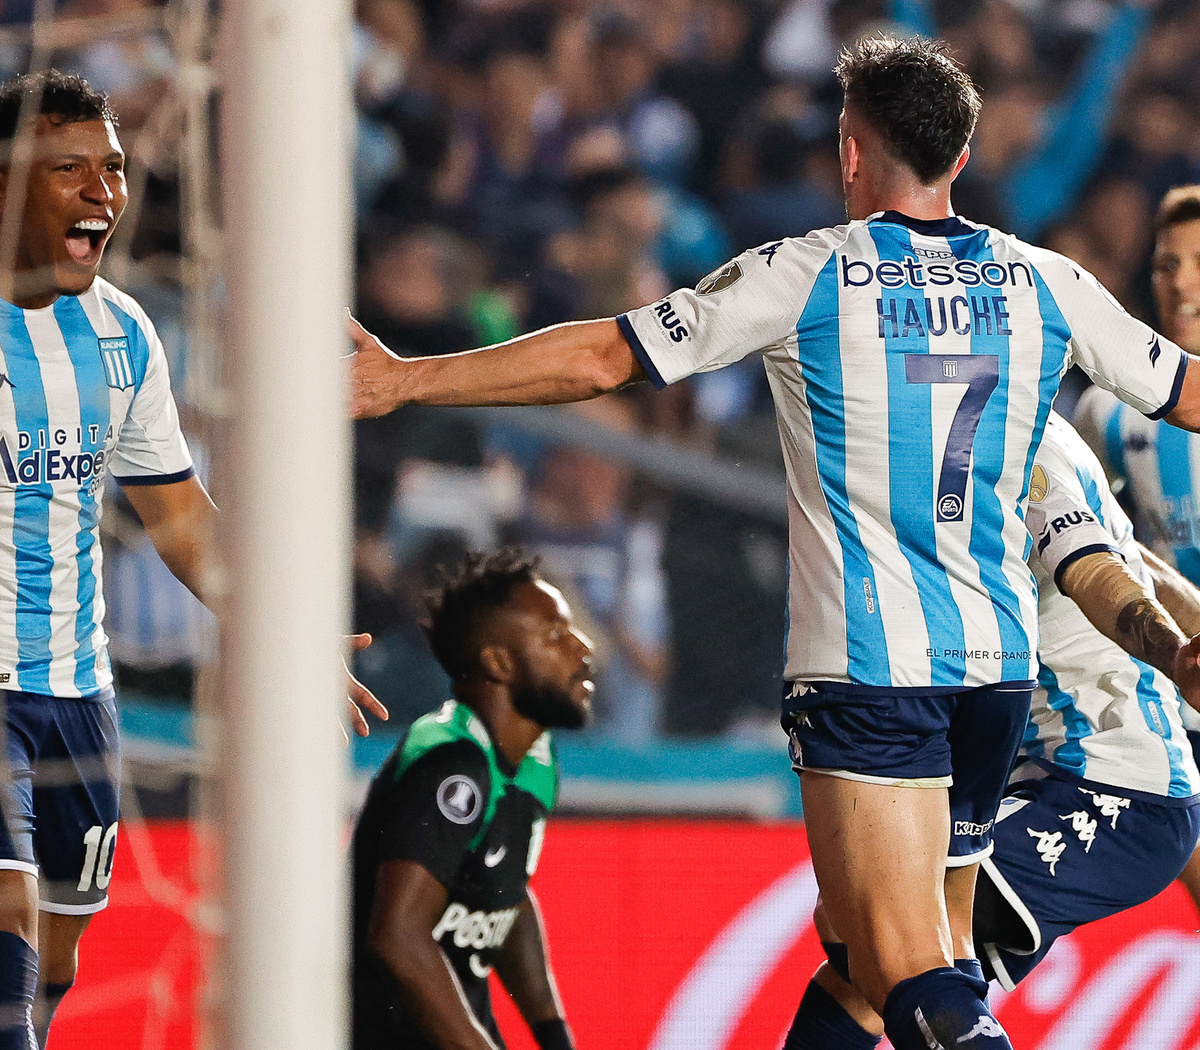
(1098, 713)
(1160, 467)
(913, 364)
(83, 390)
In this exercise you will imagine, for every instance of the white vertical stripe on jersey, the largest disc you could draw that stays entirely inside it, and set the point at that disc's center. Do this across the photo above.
(820, 641)
(62, 407)
(897, 601)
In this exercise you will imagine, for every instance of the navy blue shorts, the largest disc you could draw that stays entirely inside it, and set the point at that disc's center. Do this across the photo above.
(1067, 855)
(965, 742)
(58, 813)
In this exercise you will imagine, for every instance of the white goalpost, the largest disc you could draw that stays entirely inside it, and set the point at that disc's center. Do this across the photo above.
(285, 117)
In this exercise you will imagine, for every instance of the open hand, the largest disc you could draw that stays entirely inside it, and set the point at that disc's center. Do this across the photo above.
(358, 696)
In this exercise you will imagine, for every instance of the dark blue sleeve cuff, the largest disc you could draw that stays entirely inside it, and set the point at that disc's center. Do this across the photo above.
(1176, 390)
(1083, 552)
(156, 479)
(639, 351)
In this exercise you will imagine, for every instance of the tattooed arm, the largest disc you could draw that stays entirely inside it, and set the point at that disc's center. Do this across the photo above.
(1123, 608)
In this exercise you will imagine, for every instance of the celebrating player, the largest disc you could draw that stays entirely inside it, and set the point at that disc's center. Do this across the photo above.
(83, 390)
(1105, 811)
(913, 357)
(1158, 464)
(453, 824)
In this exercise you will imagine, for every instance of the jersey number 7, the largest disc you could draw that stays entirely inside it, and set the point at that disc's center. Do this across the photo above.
(980, 373)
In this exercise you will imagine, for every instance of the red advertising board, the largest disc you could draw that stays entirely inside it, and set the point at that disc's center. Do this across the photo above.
(665, 935)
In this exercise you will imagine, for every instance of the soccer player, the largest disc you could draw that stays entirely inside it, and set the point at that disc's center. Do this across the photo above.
(1158, 464)
(83, 390)
(1105, 810)
(913, 357)
(453, 824)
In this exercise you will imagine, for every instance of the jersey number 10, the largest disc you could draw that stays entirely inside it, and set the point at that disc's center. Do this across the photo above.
(980, 373)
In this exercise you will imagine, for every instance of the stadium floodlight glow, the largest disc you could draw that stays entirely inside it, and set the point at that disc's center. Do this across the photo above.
(285, 126)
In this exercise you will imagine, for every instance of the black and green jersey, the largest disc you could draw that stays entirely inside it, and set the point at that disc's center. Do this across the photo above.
(450, 801)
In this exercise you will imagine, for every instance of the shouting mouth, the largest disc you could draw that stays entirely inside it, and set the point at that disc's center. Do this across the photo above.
(85, 241)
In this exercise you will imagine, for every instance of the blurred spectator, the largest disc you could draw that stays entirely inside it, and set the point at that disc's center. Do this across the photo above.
(779, 199)
(577, 520)
(135, 68)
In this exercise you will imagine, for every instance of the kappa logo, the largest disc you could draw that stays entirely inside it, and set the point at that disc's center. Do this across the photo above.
(987, 1026)
(1050, 846)
(1155, 352)
(1109, 805)
(770, 250)
(459, 799)
(1083, 826)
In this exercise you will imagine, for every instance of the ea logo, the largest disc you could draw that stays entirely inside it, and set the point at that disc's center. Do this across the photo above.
(950, 508)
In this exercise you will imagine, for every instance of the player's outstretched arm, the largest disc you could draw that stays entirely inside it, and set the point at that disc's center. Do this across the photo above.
(181, 520)
(1122, 608)
(567, 362)
(408, 903)
(524, 967)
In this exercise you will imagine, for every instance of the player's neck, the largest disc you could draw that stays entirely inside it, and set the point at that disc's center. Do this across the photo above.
(512, 733)
(27, 289)
(908, 198)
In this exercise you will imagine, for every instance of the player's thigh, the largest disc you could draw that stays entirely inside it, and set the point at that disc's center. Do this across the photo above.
(76, 797)
(874, 771)
(984, 735)
(1067, 855)
(879, 855)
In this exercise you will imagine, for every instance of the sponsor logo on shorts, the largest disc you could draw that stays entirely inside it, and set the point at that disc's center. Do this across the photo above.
(1083, 826)
(1050, 846)
(459, 799)
(475, 929)
(969, 827)
(1109, 805)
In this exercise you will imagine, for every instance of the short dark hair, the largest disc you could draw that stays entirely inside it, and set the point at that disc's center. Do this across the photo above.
(1180, 205)
(481, 584)
(66, 96)
(915, 96)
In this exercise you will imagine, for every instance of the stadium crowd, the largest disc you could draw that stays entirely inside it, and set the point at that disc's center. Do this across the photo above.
(523, 163)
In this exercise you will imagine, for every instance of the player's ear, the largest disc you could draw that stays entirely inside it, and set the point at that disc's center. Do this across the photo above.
(496, 663)
(961, 162)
